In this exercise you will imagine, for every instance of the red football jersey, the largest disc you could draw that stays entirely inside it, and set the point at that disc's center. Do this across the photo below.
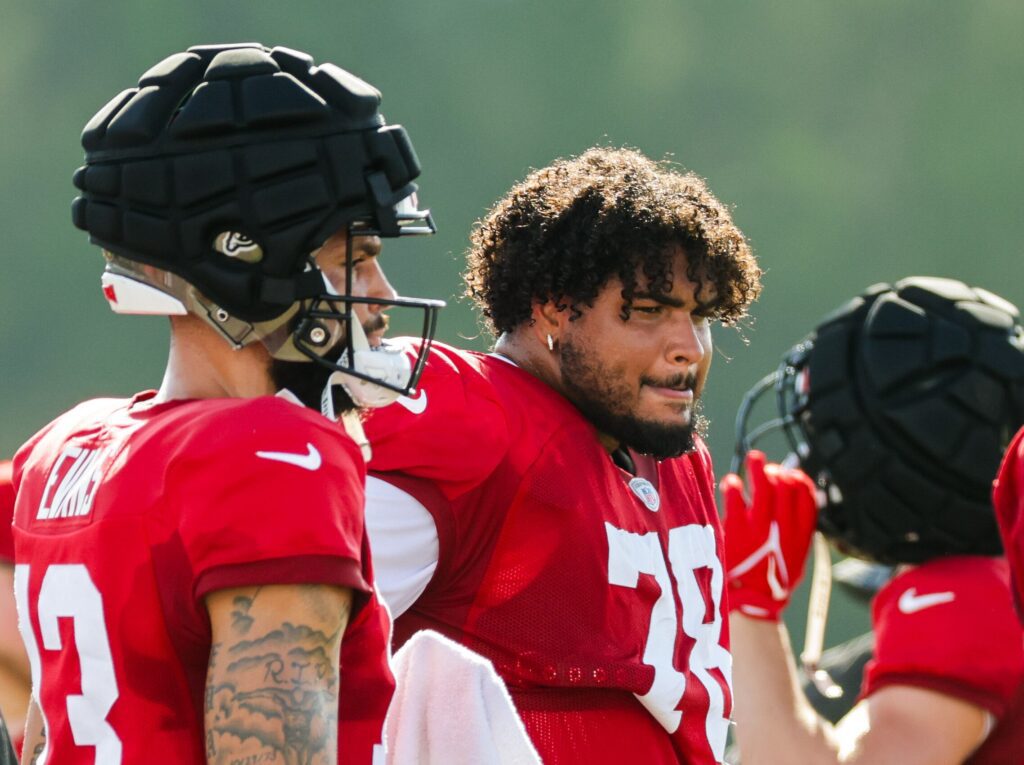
(596, 594)
(1008, 498)
(6, 512)
(127, 515)
(949, 626)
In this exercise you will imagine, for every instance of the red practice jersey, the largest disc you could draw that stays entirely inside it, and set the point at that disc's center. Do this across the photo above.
(128, 515)
(949, 626)
(596, 594)
(1008, 498)
(6, 513)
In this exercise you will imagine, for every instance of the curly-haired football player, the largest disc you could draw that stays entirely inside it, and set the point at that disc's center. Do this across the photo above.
(898, 407)
(192, 572)
(550, 505)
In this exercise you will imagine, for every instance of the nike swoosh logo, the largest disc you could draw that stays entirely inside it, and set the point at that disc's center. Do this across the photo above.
(416, 405)
(910, 602)
(309, 461)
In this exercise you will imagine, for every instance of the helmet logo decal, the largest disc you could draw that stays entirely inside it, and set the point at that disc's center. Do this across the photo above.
(645, 490)
(237, 245)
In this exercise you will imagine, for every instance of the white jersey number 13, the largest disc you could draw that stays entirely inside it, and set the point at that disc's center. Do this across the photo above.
(67, 591)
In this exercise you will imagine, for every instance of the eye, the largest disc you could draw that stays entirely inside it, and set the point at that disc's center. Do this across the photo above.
(648, 309)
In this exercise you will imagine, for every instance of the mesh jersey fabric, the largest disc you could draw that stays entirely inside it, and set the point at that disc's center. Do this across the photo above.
(136, 511)
(949, 626)
(604, 615)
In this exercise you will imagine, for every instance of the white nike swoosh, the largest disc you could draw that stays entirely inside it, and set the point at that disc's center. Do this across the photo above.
(910, 602)
(309, 461)
(416, 405)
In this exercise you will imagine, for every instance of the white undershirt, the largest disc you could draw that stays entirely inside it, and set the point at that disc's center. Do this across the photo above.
(403, 543)
(403, 540)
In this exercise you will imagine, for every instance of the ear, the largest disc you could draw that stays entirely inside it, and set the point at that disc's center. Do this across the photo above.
(547, 319)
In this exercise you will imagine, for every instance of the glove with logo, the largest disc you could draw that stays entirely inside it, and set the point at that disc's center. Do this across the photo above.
(768, 537)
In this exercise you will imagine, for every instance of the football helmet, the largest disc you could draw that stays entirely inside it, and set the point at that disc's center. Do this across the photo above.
(900, 404)
(212, 183)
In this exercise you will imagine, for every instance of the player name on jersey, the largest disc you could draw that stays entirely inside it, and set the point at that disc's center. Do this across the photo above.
(71, 485)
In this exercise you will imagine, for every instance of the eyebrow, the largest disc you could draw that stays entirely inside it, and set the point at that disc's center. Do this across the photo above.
(659, 298)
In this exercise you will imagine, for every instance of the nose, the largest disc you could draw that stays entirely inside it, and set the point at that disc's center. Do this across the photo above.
(689, 342)
(379, 286)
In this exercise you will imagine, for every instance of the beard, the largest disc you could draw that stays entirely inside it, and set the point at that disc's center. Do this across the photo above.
(604, 398)
(307, 380)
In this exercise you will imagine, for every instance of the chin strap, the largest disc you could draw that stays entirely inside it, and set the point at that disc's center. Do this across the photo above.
(352, 421)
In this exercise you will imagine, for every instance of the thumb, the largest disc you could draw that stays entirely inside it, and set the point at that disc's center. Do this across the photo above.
(760, 486)
(731, 488)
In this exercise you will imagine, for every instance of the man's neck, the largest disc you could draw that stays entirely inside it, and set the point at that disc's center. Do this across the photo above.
(201, 364)
(528, 356)
(543, 364)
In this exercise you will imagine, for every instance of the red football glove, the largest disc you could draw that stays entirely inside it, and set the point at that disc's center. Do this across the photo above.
(767, 539)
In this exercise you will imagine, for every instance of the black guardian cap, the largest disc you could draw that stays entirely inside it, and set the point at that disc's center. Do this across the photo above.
(900, 403)
(247, 140)
(227, 167)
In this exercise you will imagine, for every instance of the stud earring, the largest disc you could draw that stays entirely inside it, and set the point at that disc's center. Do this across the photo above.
(551, 343)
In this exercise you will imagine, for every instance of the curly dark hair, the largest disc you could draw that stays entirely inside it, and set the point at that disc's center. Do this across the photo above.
(569, 228)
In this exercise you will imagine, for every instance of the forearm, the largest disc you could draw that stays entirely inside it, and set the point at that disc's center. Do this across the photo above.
(13, 659)
(35, 736)
(14, 698)
(774, 721)
(274, 674)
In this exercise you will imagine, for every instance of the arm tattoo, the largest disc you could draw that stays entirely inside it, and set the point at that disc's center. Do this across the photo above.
(37, 750)
(272, 694)
(240, 616)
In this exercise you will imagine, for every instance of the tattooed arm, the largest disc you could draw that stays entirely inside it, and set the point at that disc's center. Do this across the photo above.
(272, 682)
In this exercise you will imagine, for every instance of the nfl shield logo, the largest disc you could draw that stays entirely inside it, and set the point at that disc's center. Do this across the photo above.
(645, 490)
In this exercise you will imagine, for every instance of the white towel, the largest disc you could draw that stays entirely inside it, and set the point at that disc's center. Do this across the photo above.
(451, 708)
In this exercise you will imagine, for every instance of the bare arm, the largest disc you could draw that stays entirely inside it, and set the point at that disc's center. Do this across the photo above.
(15, 676)
(897, 725)
(35, 735)
(273, 679)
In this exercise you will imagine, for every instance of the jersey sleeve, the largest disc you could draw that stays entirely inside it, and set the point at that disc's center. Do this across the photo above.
(1008, 499)
(453, 433)
(6, 513)
(275, 497)
(949, 626)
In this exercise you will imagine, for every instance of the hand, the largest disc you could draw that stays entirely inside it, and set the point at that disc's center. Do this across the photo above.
(767, 538)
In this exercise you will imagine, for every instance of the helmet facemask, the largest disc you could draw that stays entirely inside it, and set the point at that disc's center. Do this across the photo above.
(361, 374)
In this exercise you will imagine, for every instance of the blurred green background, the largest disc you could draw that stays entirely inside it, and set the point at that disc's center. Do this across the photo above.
(856, 142)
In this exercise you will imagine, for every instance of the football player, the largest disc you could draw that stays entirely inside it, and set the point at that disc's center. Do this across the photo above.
(192, 578)
(898, 408)
(550, 505)
(15, 681)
